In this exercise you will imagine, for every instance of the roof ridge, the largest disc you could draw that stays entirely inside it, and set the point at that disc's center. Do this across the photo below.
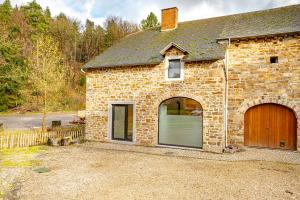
(242, 13)
(198, 38)
(209, 18)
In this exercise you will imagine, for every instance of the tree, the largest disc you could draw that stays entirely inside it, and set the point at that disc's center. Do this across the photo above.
(12, 63)
(92, 41)
(150, 22)
(112, 31)
(20, 31)
(63, 30)
(5, 12)
(116, 28)
(36, 18)
(12, 68)
(47, 72)
(47, 12)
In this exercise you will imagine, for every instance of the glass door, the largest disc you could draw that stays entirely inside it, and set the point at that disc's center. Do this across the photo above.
(122, 122)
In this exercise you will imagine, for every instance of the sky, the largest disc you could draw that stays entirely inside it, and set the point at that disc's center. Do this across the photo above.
(136, 10)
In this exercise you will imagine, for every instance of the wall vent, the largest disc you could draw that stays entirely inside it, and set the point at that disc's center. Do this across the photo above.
(274, 59)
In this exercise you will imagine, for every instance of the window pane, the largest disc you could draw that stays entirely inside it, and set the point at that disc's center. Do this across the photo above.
(180, 122)
(119, 122)
(174, 68)
(122, 122)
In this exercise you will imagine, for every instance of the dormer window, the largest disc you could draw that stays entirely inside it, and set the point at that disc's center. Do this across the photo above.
(174, 63)
(174, 68)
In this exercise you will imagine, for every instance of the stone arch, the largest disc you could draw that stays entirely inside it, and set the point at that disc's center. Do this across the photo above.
(262, 100)
(181, 94)
(253, 102)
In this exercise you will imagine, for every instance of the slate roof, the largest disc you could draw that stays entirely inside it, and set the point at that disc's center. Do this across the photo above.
(198, 37)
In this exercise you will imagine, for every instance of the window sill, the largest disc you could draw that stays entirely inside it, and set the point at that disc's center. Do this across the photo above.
(180, 147)
(174, 79)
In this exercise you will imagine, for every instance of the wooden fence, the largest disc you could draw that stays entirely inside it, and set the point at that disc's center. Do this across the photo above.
(14, 139)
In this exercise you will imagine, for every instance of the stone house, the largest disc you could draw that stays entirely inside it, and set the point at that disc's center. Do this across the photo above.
(206, 84)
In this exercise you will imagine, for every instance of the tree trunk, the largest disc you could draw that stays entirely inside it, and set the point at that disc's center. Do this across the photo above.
(44, 122)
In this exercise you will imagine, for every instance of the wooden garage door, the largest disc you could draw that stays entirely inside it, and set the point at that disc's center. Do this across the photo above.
(270, 125)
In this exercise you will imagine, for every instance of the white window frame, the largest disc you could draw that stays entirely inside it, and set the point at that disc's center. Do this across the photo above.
(167, 58)
(110, 122)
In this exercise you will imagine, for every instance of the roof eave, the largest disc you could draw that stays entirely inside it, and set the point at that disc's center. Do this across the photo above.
(122, 65)
(204, 59)
(150, 63)
(258, 36)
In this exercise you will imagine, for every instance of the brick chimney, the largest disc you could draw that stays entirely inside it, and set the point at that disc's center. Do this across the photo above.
(169, 19)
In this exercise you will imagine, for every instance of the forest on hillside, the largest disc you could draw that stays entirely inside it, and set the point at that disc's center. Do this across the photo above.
(41, 55)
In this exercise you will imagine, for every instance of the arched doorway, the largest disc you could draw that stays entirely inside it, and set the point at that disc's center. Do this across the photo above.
(180, 122)
(270, 125)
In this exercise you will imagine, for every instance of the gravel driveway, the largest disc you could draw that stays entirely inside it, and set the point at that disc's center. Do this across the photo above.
(87, 172)
(27, 121)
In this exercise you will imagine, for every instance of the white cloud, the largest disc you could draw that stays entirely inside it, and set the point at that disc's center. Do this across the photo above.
(88, 8)
(76, 9)
(135, 11)
(201, 10)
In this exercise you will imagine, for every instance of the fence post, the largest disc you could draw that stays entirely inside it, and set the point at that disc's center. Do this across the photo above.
(12, 141)
(34, 140)
(22, 140)
(7, 138)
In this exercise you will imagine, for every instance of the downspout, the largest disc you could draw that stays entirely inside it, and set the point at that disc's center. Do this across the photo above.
(226, 91)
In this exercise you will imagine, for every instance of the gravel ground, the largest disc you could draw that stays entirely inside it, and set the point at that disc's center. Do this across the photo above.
(251, 154)
(14, 164)
(9, 178)
(105, 171)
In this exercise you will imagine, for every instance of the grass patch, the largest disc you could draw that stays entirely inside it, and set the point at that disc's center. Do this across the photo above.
(23, 150)
(21, 157)
(22, 163)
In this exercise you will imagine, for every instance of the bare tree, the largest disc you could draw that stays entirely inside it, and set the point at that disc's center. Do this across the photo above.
(47, 74)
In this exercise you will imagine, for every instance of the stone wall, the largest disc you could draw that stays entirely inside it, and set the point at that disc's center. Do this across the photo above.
(254, 80)
(147, 88)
